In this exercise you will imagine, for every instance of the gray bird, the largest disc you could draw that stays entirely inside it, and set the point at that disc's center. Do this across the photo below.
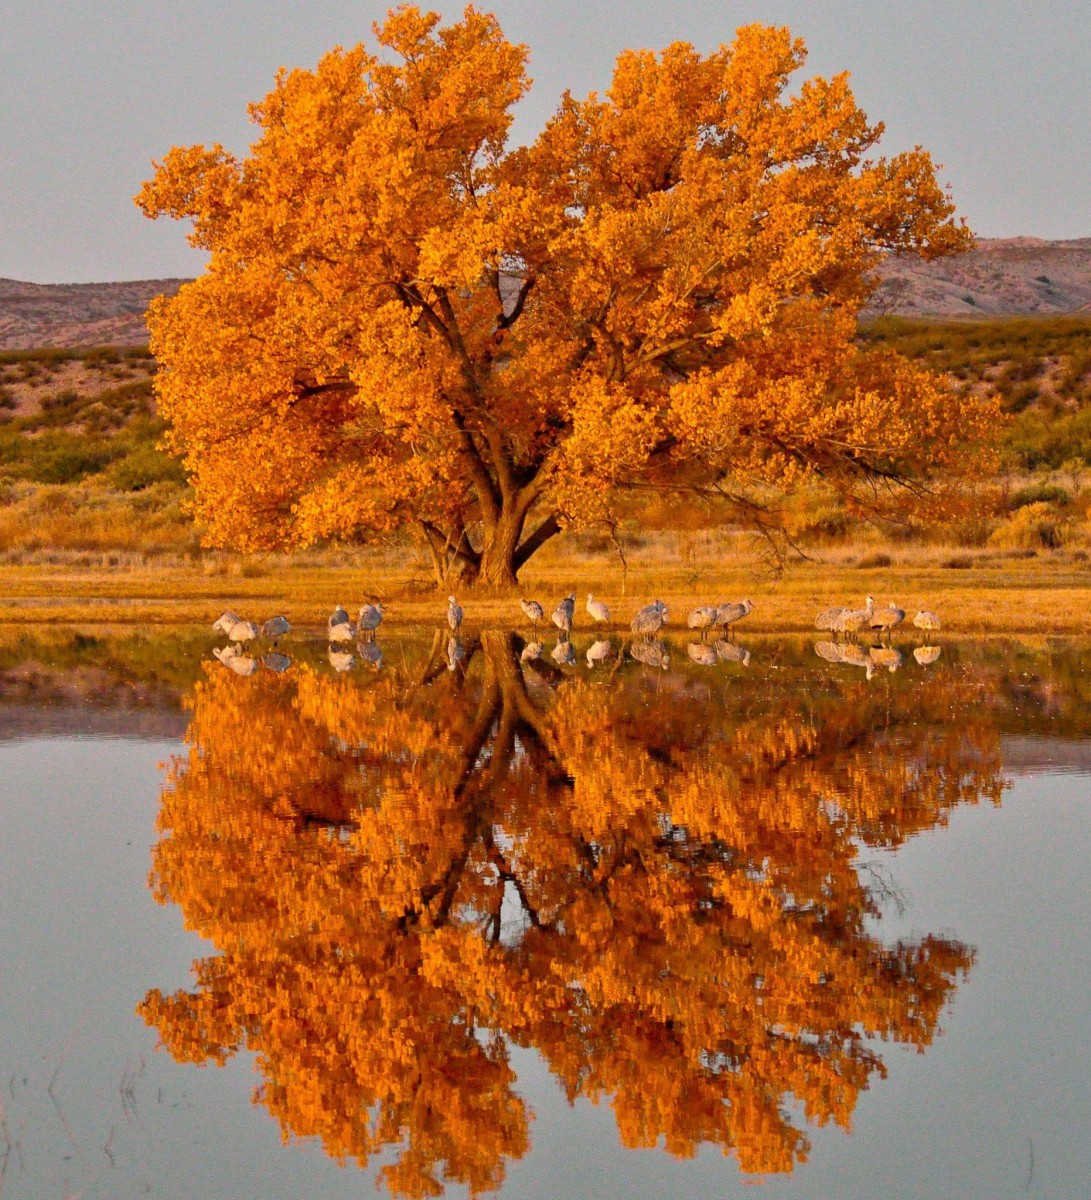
(730, 613)
(533, 611)
(275, 628)
(599, 651)
(926, 620)
(651, 653)
(852, 620)
(454, 614)
(886, 618)
(827, 619)
(339, 628)
(597, 611)
(564, 612)
(703, 618)
(371, 617)
(650, 619)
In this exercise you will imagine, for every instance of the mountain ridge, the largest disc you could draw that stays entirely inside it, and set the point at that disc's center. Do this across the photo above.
(1018, 276)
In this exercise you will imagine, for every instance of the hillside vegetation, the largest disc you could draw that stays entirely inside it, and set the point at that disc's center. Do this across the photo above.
(82, 481)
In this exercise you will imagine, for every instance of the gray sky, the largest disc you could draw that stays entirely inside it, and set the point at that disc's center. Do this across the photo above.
(92, 90)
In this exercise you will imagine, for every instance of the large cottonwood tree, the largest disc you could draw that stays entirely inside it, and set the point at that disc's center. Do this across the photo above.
(404, 322)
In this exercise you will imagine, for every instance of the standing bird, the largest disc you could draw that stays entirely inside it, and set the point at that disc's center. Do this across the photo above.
(926, 620)
(339, 628)
(852, 620)
(597, 610)
(887, 618)
(371, 617)
(533, 611)
(730, 613)
(564, 612)
(703, 619)
(275, 628)
(650, 619)
(238, 632)
(827, 619)
(454, 614)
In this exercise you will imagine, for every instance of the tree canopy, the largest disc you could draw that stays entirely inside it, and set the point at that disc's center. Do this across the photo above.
(405, 322)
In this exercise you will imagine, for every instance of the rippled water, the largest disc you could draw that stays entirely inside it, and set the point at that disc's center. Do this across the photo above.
(464, 919)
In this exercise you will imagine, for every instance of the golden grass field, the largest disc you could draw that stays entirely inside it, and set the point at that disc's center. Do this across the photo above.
(984, 592)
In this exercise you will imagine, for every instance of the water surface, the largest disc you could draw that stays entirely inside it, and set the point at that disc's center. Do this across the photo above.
(464, 920)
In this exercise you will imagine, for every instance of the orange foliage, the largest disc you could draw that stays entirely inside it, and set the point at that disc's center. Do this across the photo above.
(694, 936)
(405, 323)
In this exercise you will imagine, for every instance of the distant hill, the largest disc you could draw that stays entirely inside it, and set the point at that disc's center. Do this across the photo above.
(1001, 277)
(33, 315)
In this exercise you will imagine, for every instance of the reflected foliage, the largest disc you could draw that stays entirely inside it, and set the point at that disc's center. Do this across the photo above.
(660, 885)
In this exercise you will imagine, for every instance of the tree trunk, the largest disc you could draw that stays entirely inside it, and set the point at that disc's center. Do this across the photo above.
(498, 567)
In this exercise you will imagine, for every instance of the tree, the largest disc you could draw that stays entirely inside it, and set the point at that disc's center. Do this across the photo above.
(404, 323)
(405, 876)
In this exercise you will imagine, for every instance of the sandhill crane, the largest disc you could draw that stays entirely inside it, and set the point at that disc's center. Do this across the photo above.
(651, 653)
(702, 618)
(852, 620)
(371, 653)
(564, 653)
(597, 611)
(531, 651)
(275, 628)
(238, 632)
(454, 614)
(886, 618)
(886, 656)
(241, 664)
(371, 617)
(927, 655)
(650, 619)
(599, 651)
(827, 619)
(564, 612)
(341, 660)
(729, 652)
(702, 654)
(926, 620)
(276, 662)
(533, 611)
(730, 613)
(225, 622)
(456, 652)
(339, 628)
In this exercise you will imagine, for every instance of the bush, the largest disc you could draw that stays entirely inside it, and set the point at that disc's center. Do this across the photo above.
(143, 467)
(875, 560)
(1031, 527)
(1038, 493)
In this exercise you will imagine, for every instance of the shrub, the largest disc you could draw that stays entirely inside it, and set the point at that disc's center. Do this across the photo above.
(1030, 527)
(144, 466)
(875, 560)
(1039, 493)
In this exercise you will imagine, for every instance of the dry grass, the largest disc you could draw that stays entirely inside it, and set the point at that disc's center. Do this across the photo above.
(995, 591)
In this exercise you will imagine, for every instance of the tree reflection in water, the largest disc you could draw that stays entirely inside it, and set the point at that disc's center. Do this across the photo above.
(654, 883)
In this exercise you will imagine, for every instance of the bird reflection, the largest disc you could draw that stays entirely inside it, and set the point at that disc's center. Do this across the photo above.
(703, 654)
(599, 651)
(927, 655)
(564, 653)
(275, 661)
(235, 660)
(407, 874)
(341, 660)
(653, 653)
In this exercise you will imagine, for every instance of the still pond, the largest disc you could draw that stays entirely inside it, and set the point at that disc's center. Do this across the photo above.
(456, 919)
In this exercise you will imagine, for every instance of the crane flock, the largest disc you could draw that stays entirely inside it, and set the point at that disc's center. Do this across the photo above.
(250, 645)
